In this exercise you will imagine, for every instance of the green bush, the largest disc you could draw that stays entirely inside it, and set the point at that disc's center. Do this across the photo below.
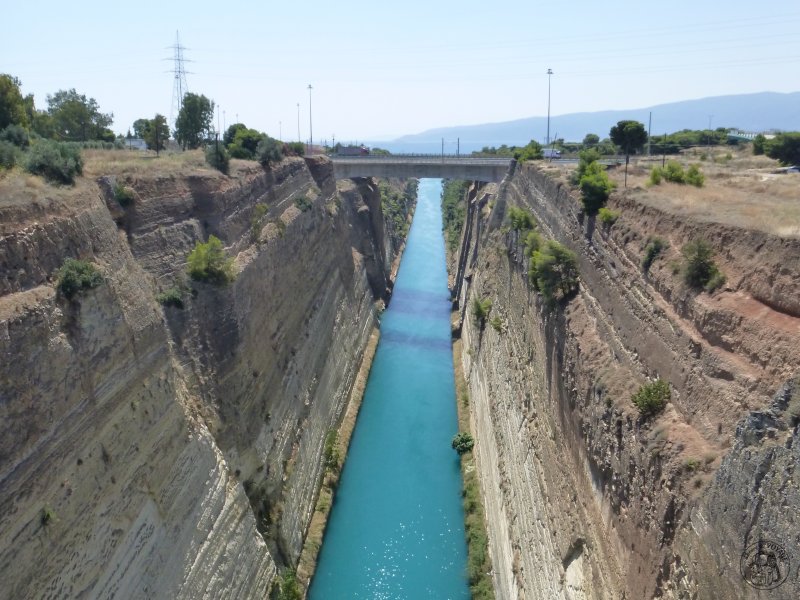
(651, 251)
(585, 158)
(651, 397)
(332, 450)
(758, 144)
(171, 297)
(481, 310)
(699, 269)
(532, 151)
(554, 271)
(595, 188)
(674, 172)
(296, 148)
(218, 157)
(56, 161)
(269, 150)
(287, 586)
(656, 175)
(77, 275)
(208, 262)
(123, 194)
(462, 443)
(694, 176)
(521, 219)
(497, 323)
(15, 135)
(533, 241)
(608, 216)
(303, 203)
(8, 155)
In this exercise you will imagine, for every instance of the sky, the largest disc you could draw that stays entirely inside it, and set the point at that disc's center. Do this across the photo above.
(379, 70)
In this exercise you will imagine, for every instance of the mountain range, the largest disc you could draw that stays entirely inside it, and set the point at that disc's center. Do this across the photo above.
(761, 111)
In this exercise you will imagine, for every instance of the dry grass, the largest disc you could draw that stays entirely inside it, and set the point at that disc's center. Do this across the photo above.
(742, 191)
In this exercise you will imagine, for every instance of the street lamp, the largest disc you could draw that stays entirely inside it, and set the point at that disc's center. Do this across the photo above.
(310, 128)
(299, 139)
(549, 74)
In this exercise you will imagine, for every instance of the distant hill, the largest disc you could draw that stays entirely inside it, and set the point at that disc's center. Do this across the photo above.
(749, 112)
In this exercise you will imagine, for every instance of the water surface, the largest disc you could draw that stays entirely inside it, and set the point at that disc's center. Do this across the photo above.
(396, 530)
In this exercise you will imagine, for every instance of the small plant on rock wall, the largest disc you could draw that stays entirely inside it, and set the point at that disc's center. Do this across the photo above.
(607, 216)
(462, 443)
(651, 398)
(554, 271)
(208, 262)
(287, 587)
(124, 195)
(653, 248)
(303, 203)
(481, 310)
(520, 219)
(76, 276)
(497, 324)
(699, 269)
(332, 450)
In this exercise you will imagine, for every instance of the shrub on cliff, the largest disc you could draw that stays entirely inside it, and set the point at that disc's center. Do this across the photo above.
(462, 443)
(287, 587)
(532, 151)
(595, 188)
(608, 216)
(585, 158)
(554, 271)
(208, 262)
(269, 150)
(295, 148)
(55, 161)
(218, 157)
(520, 219)
(699, 269)
(124, 195)
(75, 276)
(453, 211)
(651, 397)
(653, 248)
(481, 310)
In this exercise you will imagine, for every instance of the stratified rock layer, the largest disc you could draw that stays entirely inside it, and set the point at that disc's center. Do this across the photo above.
(158, 452)
(584, 498)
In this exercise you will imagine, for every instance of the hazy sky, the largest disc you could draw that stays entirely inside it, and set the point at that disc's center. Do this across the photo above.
(381, 69)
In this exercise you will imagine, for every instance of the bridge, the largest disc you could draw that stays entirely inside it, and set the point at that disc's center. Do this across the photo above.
(407, 166)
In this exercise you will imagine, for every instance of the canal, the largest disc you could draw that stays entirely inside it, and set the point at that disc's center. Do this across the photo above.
(396, 529)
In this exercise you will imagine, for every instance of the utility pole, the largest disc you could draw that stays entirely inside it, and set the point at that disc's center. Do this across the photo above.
(649, 125)
(549, 74)
(458, 146)
(180, 87)
(442, 149)
(223, 119)
(708, 137)
(310, 127)
(299, 139)
(280, 131)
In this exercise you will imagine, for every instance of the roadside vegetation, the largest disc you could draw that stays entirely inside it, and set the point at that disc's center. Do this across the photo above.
(395, 206)
(652, 250)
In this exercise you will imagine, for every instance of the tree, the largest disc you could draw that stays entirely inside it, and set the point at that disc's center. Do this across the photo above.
(533, 151)
(269, 150)
(12, 105)
(699, 269)
(595, 188)
(785, 147)
(155, 133)
(591, 139)
(651, 397)
(630, 136)
(758, 144)
(554, 271)
(245, 143)
(78, 118)
(208, 262)
(140, 128)
(193, 124)
(230, 133)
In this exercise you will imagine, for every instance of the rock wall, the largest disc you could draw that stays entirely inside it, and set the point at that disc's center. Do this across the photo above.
(586, 499)
(158, 452)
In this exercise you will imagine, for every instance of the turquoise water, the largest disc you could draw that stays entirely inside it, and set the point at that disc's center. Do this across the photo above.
(396, 530)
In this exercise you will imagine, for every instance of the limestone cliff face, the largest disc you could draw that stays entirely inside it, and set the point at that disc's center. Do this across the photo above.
(584, 498)
(176, 453)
